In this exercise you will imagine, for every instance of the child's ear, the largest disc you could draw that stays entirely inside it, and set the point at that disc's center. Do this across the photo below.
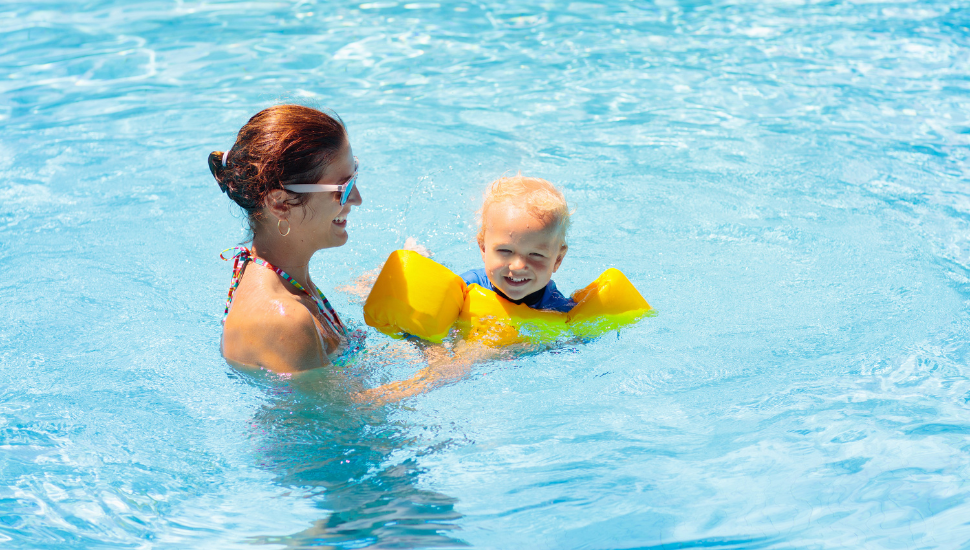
(562, 254)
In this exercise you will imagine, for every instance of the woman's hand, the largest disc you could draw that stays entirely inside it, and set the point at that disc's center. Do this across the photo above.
(444, 367)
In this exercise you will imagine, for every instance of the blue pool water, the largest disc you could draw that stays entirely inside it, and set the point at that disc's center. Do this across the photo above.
(787, 182)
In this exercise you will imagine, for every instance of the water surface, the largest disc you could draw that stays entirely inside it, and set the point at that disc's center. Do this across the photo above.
(786, 182)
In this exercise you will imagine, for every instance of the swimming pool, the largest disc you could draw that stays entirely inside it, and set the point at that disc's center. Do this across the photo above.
(785, 181)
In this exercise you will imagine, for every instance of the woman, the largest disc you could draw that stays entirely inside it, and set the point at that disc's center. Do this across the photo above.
(293, 171)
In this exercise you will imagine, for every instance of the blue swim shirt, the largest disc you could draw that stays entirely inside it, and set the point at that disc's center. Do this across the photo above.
(548, 298)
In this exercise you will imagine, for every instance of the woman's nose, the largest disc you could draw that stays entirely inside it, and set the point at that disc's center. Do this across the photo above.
(355, 197)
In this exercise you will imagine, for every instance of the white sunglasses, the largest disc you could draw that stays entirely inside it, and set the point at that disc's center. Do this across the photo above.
(344, 189)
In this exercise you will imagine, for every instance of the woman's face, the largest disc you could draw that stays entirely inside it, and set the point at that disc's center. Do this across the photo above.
(323, 220)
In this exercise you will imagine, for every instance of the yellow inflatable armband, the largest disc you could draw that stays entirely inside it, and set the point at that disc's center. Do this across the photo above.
(417, 296)
(608, 303)
(414, 295)
(490, 319)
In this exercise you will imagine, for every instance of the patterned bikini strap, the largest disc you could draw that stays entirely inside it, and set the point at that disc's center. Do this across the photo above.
(320, 300)
(243, 255)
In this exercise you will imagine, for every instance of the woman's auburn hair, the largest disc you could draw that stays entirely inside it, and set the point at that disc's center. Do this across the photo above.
(541, 199)
(280, 145)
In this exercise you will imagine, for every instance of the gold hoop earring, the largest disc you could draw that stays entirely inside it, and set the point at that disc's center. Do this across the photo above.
(280, 229)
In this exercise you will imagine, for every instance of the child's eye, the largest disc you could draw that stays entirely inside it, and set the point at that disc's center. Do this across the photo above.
(537, 255)
(503, 251)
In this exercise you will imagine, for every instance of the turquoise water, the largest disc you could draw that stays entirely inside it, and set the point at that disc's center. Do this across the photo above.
(785, 181)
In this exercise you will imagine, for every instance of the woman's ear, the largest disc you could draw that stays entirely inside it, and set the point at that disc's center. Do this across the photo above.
(277, 204)
(562, 254)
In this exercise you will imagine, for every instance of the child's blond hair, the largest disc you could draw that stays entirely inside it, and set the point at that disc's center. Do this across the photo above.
(537, 196)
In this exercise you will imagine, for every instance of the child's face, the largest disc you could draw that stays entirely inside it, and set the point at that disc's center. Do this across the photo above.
(520, 252)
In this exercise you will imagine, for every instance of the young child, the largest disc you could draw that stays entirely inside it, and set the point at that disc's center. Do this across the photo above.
(523, 241)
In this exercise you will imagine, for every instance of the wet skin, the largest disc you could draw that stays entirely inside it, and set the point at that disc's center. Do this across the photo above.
(520, 251)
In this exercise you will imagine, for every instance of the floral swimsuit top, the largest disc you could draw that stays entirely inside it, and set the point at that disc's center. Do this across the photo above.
(350, 343)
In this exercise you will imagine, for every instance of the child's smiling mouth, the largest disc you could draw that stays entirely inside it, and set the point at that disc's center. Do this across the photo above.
(516, 281)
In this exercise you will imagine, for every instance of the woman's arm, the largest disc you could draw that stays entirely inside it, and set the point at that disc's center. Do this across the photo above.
(444, 366)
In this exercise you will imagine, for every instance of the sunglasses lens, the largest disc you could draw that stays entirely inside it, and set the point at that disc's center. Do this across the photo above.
(347, 192)
(350, 184)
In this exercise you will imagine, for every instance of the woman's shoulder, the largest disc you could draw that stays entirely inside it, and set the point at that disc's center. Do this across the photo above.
(272, 330)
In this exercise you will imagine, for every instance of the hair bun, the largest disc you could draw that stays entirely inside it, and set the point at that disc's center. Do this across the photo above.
(218, 170)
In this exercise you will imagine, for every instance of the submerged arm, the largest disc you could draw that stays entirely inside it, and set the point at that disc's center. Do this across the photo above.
(444, 366)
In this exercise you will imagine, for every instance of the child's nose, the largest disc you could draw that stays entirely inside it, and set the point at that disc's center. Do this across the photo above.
(517, 263)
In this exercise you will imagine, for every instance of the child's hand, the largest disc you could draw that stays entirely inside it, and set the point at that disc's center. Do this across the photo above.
(361, 286)
(412, 244)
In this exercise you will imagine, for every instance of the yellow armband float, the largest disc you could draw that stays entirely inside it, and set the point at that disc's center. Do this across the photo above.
(417, 296)
(414, 295)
